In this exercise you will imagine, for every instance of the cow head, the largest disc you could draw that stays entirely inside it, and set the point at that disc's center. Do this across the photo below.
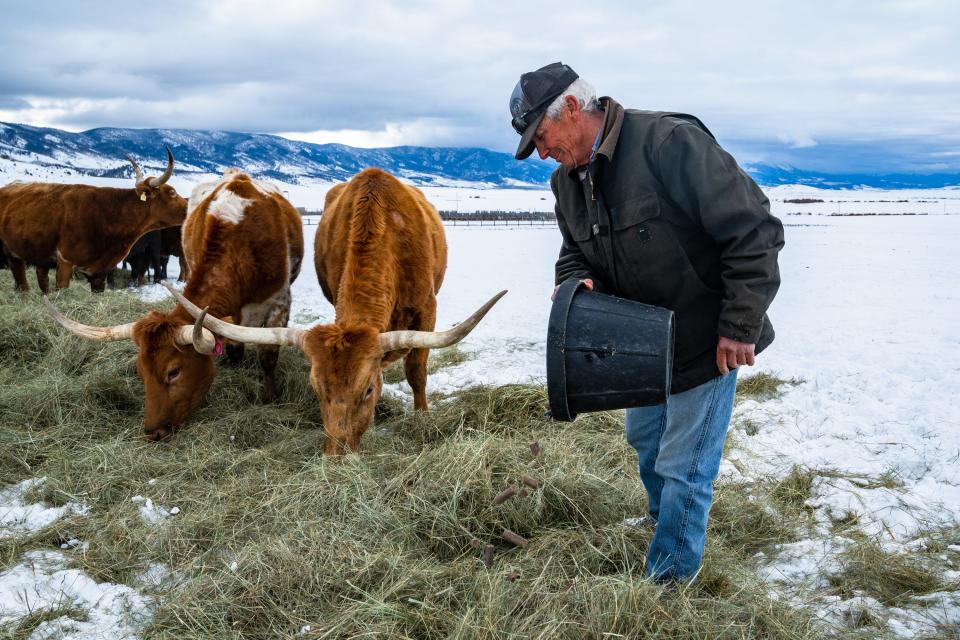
(345, 362)
(172, 362)
(346, 375)
(167, 206)
(176, 377)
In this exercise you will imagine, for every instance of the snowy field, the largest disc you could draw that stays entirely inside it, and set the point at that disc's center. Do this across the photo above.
(866, 321)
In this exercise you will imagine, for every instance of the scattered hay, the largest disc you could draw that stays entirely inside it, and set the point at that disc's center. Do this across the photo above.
(762, 386)
(791, 493)
(272, 539)
(29, 624)
(892, 578)
(438, 359)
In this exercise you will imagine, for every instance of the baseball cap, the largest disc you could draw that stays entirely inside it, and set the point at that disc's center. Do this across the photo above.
(531, 97)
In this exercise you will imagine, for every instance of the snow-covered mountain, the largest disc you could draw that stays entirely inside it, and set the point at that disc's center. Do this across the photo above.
(770, 175)
(102, 152)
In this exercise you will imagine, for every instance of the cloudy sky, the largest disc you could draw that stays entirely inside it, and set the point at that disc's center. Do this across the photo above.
(835, 86)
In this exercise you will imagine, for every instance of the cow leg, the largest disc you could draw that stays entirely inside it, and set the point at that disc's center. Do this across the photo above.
(267, 355)
(415, 368)
(157, 268)
(64, 273)
(138, 269)
(184, 270)
(415, 364)
(19, 269)
(98, 281)
(43, 279)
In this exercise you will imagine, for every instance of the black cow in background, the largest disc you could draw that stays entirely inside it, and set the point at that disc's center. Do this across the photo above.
(171, 245)
(144, 253)
(152, 251)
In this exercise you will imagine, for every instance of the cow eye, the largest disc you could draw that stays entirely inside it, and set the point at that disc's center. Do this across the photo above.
(366, 396)
(173, 374)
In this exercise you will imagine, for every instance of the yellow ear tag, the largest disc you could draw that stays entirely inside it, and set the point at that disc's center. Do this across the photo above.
(143, 197)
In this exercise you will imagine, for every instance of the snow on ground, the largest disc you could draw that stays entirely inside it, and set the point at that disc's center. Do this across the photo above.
(18, 517)
(866, 323)
(43, 581)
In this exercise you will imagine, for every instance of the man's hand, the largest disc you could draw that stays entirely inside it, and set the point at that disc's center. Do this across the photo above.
(732, 354)
(587, 281)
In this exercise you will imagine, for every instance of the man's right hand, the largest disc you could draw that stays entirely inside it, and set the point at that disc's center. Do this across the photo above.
(587, 281)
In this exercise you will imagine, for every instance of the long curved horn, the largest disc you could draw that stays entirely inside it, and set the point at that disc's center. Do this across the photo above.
(156, 182)
(253, 335)
(394, 340)
(202, 340)
(99, 334)
(138, 174)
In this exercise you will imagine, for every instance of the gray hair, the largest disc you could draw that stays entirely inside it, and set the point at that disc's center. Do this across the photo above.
(580, 89)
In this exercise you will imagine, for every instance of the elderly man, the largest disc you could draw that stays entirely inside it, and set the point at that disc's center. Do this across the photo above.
(652, 209)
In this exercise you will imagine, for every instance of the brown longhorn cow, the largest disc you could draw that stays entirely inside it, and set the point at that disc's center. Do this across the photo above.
(244, 244)
(62, 226)
(380, 254)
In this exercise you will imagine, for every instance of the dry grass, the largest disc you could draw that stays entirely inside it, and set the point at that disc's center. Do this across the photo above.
(438, 359)
(274, 539)
(762, 386)
(892, 578)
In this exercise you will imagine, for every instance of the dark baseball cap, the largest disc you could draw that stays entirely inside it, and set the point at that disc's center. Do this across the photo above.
(531, 97)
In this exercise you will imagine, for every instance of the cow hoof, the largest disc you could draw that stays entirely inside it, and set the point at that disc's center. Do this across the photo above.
(268, 394)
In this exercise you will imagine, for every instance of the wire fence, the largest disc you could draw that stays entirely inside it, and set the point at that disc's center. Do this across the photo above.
(483, 219)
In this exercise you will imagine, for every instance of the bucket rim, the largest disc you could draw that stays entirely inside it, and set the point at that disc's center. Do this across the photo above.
(556, 340)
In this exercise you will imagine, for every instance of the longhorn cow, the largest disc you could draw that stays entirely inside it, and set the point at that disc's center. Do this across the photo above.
(62, 226)
(243, 242)
(380, 255)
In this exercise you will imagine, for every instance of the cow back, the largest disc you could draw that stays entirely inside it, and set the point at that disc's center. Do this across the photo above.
(380, 251)
(243, 243)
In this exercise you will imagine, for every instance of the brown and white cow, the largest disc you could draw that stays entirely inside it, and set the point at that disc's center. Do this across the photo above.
(243, 242)
(63, 226)
(380, 255)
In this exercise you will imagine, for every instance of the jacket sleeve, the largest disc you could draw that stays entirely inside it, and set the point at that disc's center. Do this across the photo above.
(571, 262)
(708, 186)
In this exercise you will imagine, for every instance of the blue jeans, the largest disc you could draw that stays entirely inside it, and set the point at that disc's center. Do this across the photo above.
(679, 445)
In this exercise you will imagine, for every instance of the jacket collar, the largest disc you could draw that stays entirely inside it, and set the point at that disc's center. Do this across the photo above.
(611, 127)
(612, 123)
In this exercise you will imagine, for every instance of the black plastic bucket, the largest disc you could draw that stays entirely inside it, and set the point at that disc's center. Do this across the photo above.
(605, 352)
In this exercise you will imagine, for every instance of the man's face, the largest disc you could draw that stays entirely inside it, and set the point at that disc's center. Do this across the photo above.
(562, 140)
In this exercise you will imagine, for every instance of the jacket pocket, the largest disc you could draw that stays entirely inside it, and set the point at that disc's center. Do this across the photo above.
(579, 226)
(634, 211)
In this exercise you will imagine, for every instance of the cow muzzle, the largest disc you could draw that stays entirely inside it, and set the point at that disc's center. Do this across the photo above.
(158, 433)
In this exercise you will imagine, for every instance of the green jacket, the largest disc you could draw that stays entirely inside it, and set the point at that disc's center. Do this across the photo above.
(665, 216)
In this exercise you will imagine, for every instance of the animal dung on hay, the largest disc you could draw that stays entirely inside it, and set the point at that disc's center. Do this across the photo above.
(488, 556)
(515, 539)
(506, 494)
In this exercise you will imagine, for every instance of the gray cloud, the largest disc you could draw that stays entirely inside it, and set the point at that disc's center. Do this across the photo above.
(774, 74)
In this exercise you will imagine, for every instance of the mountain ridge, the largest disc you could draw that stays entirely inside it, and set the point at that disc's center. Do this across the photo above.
(102, 152)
